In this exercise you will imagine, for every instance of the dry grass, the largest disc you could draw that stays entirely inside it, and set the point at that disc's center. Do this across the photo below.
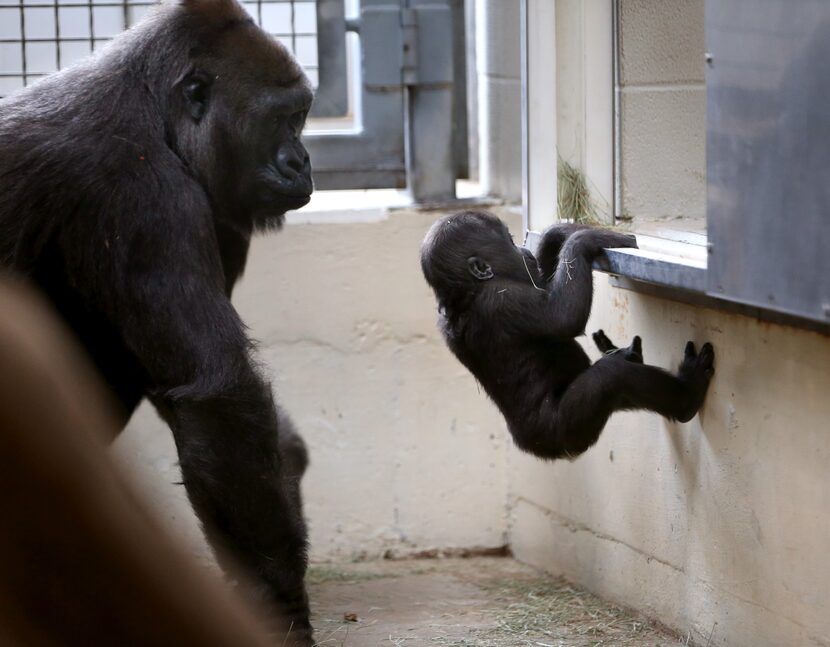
(547, 612)
(574, 199)
(364, 571)
(517, 607)
(325, 573)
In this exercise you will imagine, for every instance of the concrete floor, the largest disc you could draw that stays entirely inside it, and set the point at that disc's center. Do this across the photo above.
(475, 602)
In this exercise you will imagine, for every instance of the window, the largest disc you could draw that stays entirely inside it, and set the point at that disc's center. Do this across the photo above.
(41, 36)
(719, 146)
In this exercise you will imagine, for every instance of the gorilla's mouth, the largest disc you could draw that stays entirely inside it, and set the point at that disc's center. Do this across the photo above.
(296, 202)
(289, 190)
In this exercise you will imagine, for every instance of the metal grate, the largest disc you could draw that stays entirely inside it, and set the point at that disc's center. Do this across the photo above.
(41, 36)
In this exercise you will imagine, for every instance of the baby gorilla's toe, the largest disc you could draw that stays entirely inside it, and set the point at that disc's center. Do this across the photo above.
(698, 365)
(706, 359)
(602, 342)
(690, 351)
(634, 353)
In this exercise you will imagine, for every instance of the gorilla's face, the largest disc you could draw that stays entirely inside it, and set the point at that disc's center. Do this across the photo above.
(244, 109)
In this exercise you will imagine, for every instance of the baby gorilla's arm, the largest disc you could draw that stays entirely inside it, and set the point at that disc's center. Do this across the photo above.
(564, 310)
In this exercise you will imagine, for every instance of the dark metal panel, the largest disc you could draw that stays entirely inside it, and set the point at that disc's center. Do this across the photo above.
(348, 179)
(429, 125)
(460, 134)
(768, 154)
(381, 39)
(372, 155)
(331, 98)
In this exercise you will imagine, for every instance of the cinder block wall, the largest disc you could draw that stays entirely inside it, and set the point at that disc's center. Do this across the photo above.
(718, 527)
(663, 109)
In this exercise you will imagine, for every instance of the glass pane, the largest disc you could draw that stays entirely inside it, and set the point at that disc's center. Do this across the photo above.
(9, 84)
(74, 22)
(307, 50)
(41, 57)
(72, 52)
(107, 21)
(305, 18)
(276, 18)
(40, 23)
(9, 23)
(11, 58)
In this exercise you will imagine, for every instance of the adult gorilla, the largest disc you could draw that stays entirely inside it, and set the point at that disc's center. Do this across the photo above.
(130, 186)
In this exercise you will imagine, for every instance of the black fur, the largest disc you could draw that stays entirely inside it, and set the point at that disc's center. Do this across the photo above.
(511, 320)
(130, 186)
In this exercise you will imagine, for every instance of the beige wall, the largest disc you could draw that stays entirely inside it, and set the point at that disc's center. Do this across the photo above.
(720, 526)
(406, 453)
(663, 109)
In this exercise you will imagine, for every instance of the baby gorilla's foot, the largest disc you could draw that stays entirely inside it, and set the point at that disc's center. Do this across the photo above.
(696, 366)
(633, 353)
(696, 370)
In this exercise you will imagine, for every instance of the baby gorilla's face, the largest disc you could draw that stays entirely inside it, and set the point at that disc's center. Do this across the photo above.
(470, 247)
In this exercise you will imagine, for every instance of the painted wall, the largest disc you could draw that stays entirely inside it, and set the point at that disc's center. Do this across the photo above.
(663, 109)
(719, 527)
(406, 454)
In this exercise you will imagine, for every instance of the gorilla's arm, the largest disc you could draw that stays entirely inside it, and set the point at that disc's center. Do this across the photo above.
(550, 245)
(228, 436)
(166, 287)
(561, 307)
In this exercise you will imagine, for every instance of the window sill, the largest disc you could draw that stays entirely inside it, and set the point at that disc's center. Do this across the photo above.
(672, 265)
(670, 260)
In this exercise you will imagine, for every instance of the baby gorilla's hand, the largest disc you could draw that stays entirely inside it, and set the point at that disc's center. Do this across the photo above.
(622, 240)
(594, 241)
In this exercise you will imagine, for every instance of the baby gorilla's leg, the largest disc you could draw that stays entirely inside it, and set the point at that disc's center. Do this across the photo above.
(613, 385)
(632, 353)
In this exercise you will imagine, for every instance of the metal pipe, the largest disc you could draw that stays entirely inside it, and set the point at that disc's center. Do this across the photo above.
(523, 37)
(617, 126)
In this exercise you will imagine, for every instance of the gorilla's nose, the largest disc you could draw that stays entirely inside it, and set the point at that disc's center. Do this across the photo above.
(291, 162)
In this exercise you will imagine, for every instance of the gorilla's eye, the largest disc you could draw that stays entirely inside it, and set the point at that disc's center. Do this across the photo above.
(297, 121)
(196, 90)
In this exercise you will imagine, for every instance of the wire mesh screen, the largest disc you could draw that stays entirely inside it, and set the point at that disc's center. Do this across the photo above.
(41, 36)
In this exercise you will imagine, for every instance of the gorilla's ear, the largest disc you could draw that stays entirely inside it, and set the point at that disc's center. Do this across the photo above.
(479, 268)
(195, 88)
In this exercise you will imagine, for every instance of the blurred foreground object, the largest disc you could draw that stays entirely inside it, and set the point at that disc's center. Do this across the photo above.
(81, 562)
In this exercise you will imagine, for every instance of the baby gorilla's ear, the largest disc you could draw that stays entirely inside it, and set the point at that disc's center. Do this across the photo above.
(479, 268)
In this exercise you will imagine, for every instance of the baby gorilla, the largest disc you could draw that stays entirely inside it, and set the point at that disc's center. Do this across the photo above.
(511, 319)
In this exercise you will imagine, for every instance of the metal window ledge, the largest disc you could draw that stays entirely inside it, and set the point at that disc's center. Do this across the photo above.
(670, 260)
(672, 265)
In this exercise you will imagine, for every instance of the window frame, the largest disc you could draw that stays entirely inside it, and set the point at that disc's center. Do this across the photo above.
(666, 265)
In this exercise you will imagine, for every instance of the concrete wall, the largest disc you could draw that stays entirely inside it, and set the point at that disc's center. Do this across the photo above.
(719, 527)
(406, 453)
(663, 109)
(499, 97)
